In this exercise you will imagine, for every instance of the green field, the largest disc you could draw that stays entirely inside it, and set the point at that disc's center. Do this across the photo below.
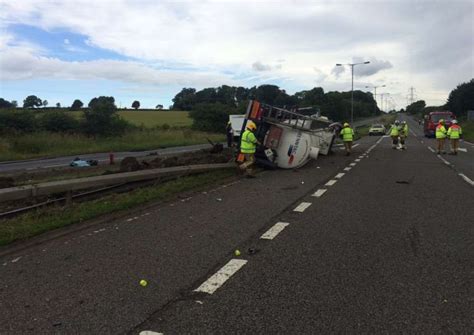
(44, 144)
(150, 119)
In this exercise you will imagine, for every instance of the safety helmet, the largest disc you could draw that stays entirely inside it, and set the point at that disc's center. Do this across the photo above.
(454, 121)
(441, 121)
(346, 124)
(251, 125)
(404, 122)
(397, 122)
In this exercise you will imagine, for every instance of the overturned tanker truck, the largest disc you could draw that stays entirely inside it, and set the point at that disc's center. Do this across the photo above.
(290, 139)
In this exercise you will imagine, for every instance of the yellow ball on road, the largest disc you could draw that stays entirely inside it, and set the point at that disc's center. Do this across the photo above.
(237, 252)
(143, 282)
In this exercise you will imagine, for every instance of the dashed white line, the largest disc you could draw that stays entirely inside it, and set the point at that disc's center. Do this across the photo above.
(362, 156)
(347, 169)
(149, 332)
(319, 193)
(221, 276)
(444, 160)
(271, 233)
(353, 164)
(462, 149)
(431, 149)
(339, 175)
(355, 145)
(467, 179)
(357, 160)
(302, 207)
(331, 182)
(16, 259)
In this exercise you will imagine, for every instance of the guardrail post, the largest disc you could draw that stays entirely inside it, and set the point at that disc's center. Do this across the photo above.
(111, 159)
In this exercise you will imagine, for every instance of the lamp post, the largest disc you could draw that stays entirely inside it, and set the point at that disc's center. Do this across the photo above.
(352, 87)
(375, 96)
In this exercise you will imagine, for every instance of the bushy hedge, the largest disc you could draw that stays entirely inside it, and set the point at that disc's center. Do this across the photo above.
(211, 117)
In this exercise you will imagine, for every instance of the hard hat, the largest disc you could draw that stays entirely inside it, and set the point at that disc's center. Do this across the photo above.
(346, 124)
(441, 121)
(397, 122)
(404, 122)
(454, 121)
(251, 125)
(229, 122)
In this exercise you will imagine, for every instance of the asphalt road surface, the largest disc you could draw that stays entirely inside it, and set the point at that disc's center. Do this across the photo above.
(102, 158)
(377, 242)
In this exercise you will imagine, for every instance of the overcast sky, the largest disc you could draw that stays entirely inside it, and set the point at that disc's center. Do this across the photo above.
(148, 50)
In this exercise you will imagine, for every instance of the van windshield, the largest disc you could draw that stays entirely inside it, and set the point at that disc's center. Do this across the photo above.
(436, 117)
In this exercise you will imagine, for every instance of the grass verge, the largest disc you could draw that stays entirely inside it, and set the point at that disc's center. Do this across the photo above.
(44, 144)
(46, 219)
(468, 130)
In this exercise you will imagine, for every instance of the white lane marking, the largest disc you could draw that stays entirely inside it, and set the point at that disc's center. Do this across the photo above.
(431, 149)
(353, 164)
(149, 332)
(331, 182)
(339, 175)
(360, 157)
(357, 160)
(462, 149)
(16, 259)
(271, 233)
(319, 193)
(385, 136)
(355, 145)
(347, 169)
(467, 179)
(221, 276)
(443, 160)
(302, 207)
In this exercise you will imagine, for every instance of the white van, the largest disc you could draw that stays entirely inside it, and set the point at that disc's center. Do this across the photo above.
(237, 121)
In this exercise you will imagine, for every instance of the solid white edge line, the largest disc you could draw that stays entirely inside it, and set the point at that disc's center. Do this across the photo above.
(331, 182)
(339, 175)
(431, 149)
(462, 149)
(467, 179)
(302, 207)
(221, 276)
(355, 145)
(271, 233)
(319, 193)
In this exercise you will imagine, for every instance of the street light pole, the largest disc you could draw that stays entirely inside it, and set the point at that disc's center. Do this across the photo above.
(352, 86)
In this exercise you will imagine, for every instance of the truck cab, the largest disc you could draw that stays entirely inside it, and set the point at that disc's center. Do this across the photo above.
(432, 119)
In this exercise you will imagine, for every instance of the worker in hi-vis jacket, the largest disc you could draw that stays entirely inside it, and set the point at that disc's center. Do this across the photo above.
(347, 137)
(248, 146)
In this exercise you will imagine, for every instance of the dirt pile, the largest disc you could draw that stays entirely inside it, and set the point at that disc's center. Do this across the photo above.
(200, 157)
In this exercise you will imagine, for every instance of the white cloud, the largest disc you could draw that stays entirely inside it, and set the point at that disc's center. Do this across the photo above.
(226, 36)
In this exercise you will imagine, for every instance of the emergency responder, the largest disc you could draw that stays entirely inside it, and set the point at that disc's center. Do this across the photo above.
(347, 136)
(441, 136)
(454, 133)
(230, 134)
(395, 133)
(403, 134)
(248, 145)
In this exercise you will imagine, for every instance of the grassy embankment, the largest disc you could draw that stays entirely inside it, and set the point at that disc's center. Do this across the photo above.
(468, 130)
(35, 223)
(157, 130)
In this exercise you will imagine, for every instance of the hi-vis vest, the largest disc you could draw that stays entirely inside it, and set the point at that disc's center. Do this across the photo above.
(394, 131)
(440, 131)
(454, 132)
(248, 142)
(347, 134)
